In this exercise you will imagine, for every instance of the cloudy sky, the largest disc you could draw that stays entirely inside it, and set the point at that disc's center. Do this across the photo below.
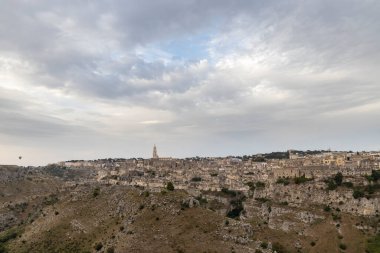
(98, 79)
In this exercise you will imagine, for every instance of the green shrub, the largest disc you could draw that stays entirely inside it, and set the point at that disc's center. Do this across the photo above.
(98, 246)
(327, 209)
(312, 244)
(348, 184)
(331, 185)
(260, 184)
(375, 176)
(338, 178)
(196, 179)
(8, 235)
(358, 194)
(373, 244)
(335, 217)
(342, 246)
(170, 186)
(283, 180)
(96, 192)
(3, 249)
(302, 179)
(50, 200)
(264, 245)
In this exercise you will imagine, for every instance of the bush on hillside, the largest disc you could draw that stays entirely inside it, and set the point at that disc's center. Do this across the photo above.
(170, 186)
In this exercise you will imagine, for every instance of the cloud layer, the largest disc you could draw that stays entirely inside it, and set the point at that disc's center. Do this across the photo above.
(110, 78)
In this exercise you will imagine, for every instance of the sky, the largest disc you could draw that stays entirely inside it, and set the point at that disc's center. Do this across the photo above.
(99, 79)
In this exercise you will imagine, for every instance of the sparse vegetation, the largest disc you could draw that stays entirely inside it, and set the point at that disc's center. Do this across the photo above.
(373, 244)
(98, 246)
(336, 217)
(146, 194)
(50, 200)
(357, 193)
(338, 178)
(9, 234)
(170, 186)
(196, 179)
(331, 185)
(96, 192)
(374, 177)
(283, 180)
(302, 179)
(91, 213)
(260, 184)
(348, 184)
(264, 245)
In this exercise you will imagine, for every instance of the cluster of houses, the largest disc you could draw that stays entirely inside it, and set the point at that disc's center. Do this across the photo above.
(273, 179)
(233, 173)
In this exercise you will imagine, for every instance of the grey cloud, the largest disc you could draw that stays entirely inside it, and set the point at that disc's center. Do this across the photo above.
(21, 122)
(313, 59)
(51, 35)
(21, 126)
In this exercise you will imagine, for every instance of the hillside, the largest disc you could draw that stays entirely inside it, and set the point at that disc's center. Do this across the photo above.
(49, 212)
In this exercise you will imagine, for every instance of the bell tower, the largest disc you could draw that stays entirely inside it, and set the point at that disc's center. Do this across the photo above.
(155, 152)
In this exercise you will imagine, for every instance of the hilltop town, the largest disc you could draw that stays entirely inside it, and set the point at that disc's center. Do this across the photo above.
(278, 175)
(293, 201)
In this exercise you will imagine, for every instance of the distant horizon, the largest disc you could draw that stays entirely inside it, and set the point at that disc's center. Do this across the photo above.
(21, 162)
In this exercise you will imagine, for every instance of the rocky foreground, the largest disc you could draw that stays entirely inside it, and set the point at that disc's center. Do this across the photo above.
(54, 209)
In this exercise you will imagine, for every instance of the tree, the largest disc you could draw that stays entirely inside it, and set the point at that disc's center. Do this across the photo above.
(358, 194)
(170, 186)
(338, 178)
(96, 192)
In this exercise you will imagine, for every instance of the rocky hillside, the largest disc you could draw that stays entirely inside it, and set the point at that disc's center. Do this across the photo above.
(63, 210)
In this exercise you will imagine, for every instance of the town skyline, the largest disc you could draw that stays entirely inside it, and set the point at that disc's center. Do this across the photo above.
(155, 154)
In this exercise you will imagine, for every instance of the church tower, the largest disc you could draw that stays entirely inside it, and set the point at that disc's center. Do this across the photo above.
(155, 152)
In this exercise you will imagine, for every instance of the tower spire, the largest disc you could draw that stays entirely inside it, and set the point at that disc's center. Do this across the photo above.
(155, 151)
